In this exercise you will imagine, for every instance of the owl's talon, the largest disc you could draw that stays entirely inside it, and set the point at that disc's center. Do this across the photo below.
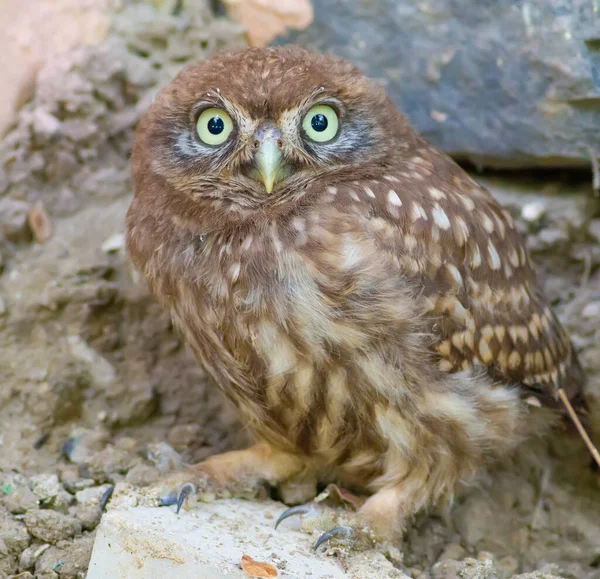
(335, 533)
(298, 510)
(186, 490)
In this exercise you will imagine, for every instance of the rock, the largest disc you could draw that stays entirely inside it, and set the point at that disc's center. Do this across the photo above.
(92, 495)
(44, 123)
(533, 211)
(145, 542)
(8, 562)
(46, 487)
(499, 83)
(446, 569)
(114, 243)
(104, 465)
(183, 435)
(102, 371)
(67, 559)
(50, 493)
(89, 515)
(507, 567)
(13, 534)
(13, 220)
(468, 569)
(30, 555)
(591, 310)
(537, 575)
(142, 475)
(51, 526)
(594, 229)
(20, 500)
(453, 551)
(83, 443)
(164, 457)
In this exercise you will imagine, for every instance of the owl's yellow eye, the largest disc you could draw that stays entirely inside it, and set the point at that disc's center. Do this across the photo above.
(214, 126)
(321, 124)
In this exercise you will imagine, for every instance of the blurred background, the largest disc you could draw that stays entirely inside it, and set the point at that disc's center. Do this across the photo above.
(97, 389)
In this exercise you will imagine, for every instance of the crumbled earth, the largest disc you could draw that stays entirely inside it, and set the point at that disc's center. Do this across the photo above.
(97, 389)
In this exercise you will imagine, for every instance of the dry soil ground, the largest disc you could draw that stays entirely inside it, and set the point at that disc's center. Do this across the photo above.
(96, 388)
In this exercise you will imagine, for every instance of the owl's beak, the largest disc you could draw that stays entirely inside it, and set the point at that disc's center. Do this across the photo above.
(269, 163)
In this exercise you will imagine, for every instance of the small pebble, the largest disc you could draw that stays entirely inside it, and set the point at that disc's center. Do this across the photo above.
(114, 243)
(533, 211)
(591, 310)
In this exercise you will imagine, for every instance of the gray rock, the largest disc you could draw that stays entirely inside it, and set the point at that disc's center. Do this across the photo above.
(13, 534)
(69, 560)
(13, 220)
(51, 526)
(500, 83)
(20, 500)
(30, 555)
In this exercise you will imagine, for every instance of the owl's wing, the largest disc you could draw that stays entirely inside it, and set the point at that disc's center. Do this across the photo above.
(463, 251)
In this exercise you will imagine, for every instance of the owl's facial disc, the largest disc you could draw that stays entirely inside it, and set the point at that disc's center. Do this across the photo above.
(269, 165)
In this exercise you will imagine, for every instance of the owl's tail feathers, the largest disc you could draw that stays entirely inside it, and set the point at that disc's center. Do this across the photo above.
(577, 422)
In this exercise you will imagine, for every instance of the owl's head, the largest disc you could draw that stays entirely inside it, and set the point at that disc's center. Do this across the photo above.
(262, 124)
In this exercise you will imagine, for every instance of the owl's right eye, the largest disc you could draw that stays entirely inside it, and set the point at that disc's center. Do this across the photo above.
(214, 126)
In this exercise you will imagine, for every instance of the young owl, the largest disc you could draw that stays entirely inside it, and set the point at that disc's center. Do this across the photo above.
(369, 308)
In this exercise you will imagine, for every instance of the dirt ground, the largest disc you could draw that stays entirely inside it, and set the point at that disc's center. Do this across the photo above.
(96, 388)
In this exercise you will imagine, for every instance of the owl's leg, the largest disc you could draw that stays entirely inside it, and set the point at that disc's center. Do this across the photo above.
(236, 473)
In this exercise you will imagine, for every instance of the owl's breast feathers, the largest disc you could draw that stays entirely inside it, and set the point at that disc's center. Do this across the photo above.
(327, 315)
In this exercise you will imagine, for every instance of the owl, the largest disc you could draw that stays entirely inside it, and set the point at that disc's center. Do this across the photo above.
(369, 309)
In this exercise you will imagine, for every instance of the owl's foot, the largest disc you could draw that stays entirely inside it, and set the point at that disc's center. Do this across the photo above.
(178, 499)
(378, 520)
(242, 473)
(344, 526)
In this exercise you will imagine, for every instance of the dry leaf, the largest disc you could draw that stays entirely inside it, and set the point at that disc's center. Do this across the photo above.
(257, 569)
(266, 19)
(39, 222)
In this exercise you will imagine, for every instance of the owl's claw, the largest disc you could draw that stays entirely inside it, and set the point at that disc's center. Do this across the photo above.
(178, 499)
(186, 490)
(298, 510)
(335, 533)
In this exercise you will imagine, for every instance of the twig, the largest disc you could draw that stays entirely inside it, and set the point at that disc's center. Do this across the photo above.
(584, 435)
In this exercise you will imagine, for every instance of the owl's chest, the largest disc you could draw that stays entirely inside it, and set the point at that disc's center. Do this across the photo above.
(301, 328)
(301, 293)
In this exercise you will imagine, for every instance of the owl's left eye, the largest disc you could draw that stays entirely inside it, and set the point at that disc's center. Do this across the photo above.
(321, 124)
(214, 126)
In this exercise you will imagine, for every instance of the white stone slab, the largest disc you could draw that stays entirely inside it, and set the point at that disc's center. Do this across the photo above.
(208, 542)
